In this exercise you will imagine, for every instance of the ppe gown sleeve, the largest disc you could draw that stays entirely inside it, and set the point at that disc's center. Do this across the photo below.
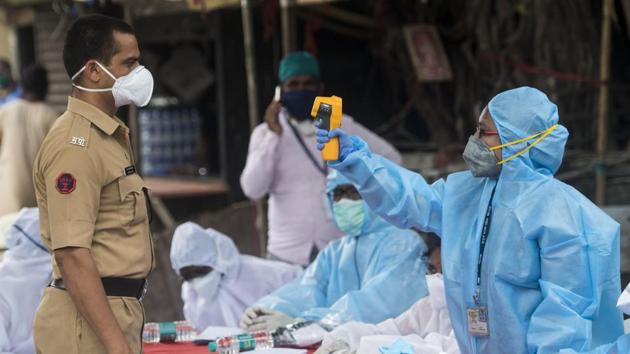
(409, 322)
(376, 143)
(400, 196)
(5, 321)
(399, 267)
(308, 291)
(258, 174)
(621, 345)
(573, 271)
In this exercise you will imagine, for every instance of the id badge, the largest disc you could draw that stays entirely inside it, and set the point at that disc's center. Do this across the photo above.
(478, 321)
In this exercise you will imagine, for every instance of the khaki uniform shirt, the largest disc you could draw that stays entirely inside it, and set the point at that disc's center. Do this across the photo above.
(23, 126)
(86, 199)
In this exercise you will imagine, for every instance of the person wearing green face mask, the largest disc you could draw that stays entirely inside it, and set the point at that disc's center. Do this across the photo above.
(24, 123)
(348, 209)
(9, 89)
(376, 271)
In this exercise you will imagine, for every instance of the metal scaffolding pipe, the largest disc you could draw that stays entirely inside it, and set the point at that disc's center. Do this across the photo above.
(603, 102)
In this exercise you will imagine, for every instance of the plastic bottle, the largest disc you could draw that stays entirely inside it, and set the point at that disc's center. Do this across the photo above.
(178, 331)
(241, 343)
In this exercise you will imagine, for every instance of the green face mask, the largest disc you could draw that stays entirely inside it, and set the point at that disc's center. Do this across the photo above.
(349, 216)
(5, 81)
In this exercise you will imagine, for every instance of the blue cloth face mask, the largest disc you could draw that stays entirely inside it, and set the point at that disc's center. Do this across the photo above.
(299, 103)
(349, 216)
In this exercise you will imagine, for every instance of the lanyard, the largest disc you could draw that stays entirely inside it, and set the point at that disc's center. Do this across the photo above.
(322, 169)
(482, 245)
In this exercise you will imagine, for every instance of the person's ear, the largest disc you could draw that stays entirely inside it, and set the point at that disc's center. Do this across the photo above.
(93, 72)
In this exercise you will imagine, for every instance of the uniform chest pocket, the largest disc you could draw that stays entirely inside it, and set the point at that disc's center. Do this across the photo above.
(132, 199)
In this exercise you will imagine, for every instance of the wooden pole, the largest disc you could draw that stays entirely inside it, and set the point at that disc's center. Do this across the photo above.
(250, 63)
(603, 103)
(288, 26)
(252, 102)
(132, 113)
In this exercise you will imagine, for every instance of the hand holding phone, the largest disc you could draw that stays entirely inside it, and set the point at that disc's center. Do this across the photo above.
(273, 112)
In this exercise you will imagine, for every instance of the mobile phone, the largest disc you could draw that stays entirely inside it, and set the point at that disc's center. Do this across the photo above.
(278, 94)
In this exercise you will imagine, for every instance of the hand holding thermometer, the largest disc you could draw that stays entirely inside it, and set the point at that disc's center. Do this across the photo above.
(326, 112)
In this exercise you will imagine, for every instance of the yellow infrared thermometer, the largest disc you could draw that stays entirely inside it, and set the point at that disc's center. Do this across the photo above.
(326, 112)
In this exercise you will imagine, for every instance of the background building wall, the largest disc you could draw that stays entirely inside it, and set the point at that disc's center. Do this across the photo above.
(5, 37)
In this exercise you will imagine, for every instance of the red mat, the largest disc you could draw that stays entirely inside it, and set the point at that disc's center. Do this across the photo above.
(179, 348)
(175, 348)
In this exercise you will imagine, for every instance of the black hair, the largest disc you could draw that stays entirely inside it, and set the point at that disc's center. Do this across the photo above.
(35, 82)
(432, 241)
(92, 37)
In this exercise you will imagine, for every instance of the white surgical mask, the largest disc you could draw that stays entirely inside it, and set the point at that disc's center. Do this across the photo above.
(136, 87)
(207, 286)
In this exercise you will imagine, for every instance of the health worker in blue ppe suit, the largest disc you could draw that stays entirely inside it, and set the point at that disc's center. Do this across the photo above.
(376, 271)
(530, 265)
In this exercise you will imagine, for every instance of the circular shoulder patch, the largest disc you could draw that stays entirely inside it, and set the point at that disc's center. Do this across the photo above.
(66, 183)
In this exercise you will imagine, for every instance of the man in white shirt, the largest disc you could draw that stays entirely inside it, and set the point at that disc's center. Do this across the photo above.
(24, 122)
(283, 163)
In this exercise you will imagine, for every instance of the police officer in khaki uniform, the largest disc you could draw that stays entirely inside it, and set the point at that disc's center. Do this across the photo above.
(93, 204)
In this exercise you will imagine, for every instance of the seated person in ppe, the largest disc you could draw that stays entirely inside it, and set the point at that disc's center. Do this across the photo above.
(621, 345)
(530, 265)
(372, 273)
(426, 325)
(219, 283)
(25, 271)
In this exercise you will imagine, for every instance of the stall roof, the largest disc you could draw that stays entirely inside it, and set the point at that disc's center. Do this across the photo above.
(24, 2)
(155, 7)
(165, 6)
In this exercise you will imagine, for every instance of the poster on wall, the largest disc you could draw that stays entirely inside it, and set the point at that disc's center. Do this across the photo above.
(427, 53)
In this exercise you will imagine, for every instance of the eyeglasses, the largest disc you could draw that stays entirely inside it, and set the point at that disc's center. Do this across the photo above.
(483, 132)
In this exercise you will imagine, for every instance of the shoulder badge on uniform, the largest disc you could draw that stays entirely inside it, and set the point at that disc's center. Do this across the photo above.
(80, 141)
(65, 183)
(129, 170)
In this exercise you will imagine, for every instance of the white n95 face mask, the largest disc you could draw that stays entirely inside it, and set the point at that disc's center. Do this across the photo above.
(136, 87)
(207, 286)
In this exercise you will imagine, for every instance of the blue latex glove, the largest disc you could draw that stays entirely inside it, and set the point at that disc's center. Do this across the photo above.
(398, 347)
(346, 146)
